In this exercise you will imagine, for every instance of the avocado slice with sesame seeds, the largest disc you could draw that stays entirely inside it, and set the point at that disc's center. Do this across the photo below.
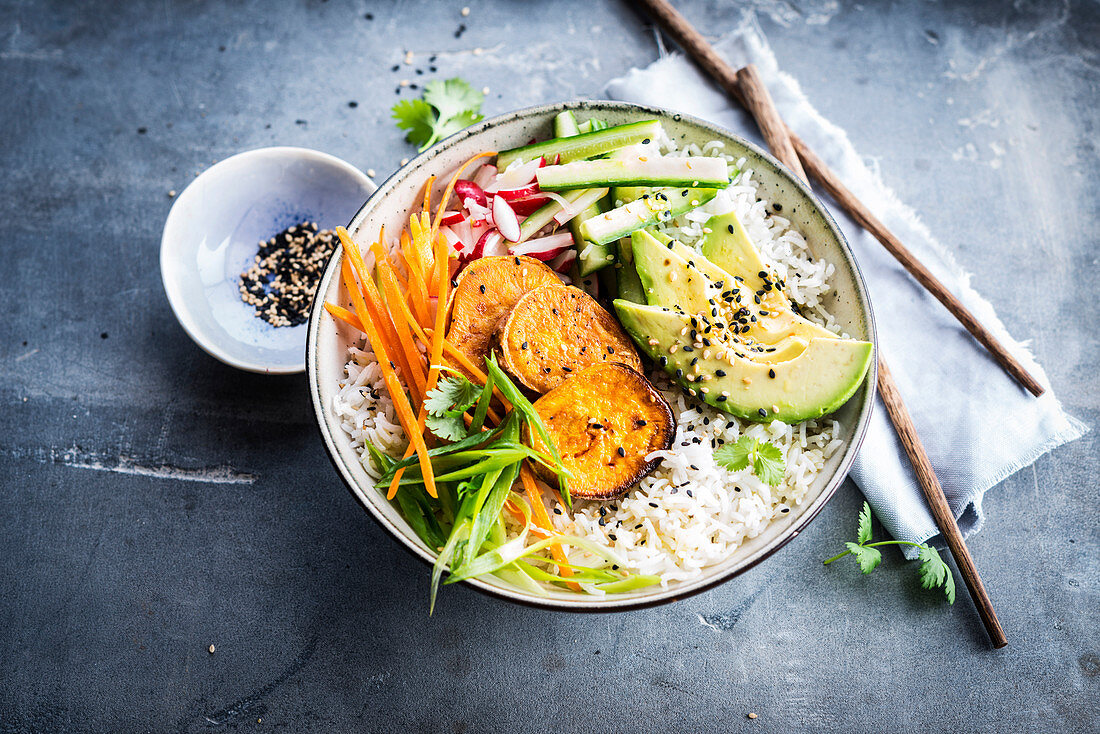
(814, 383)
(740, 347)
(677, 276)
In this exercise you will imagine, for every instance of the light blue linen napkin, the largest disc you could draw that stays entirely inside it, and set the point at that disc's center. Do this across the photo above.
(976, 423)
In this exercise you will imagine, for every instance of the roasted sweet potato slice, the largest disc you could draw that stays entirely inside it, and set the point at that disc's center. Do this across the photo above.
(554, 332)
(604, 421)
(487, 289)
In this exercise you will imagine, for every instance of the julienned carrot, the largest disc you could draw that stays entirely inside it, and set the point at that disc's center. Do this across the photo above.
(345, 315)
(436, 352)
(418, 294)
(401, 327)
(542, 519)
(413, 373)
(393, 385)
(421, 255)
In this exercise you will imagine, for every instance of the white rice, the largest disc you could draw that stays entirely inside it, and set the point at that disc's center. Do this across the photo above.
(689, 513)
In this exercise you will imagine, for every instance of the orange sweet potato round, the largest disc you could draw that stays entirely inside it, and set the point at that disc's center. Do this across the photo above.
(487, 289)
(604, 421)
(554, 332)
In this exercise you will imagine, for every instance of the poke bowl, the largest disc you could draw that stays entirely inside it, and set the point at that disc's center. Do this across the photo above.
(713, 468)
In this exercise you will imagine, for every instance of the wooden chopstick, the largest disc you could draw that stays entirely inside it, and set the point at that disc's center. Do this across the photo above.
(775, 134)
(705, 56)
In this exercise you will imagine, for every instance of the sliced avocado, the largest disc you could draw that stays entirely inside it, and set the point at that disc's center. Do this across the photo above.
(728, 246)
(815, 382)
(677, 276)
(630, 287)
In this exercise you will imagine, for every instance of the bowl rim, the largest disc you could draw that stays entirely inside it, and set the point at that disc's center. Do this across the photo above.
(169, 276)
(604, 604)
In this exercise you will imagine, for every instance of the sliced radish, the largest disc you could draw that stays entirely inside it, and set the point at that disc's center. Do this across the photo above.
(562, 262)
(452, 218)
(522, 192)
(544, 248)
(479, 248)
(504, 217)
(470, 190)
(494, 245)
(452, 238)
(516, 175)
(477, 211)
(484, 175)
(530, 205)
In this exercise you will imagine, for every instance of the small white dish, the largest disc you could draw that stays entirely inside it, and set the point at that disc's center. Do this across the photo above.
(212, 234)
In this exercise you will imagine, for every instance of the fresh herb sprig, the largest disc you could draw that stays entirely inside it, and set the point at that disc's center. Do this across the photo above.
(765, 458)
(933, 571)
(446, 107)
(445, 404)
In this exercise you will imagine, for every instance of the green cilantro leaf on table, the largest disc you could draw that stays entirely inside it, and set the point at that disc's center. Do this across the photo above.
(445, 403)
(765, 458)
(933, 571)
(446, 107)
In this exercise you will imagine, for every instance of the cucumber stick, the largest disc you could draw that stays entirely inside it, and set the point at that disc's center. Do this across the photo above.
(659, 207)
(579, 147)
(696, 171)
(590, 258)
(545, 214)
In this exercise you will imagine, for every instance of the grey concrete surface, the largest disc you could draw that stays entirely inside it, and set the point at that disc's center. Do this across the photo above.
(154, 502)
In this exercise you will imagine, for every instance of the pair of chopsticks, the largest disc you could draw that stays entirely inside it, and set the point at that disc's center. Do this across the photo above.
(746, 87)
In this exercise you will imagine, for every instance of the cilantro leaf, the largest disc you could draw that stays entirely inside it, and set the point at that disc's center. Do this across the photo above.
(452, 97)
(868, 558)
(768, 464)
(447, 107)
(448, 427)
(766, 459)
(735, 456)
(416, 116)
(451, 396)
(934, 572)
(864, 533)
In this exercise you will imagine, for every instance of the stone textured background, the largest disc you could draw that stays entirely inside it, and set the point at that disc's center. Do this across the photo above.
(154, 502)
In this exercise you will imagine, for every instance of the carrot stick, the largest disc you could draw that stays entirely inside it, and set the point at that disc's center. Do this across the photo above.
(345, 315)
(542, 519)
(436, 351)
(418, 294)
(420, 258)
(412, 371)
(401, 404)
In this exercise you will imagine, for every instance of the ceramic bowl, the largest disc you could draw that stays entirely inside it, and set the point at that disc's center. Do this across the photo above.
(326, 350)
(212, 234)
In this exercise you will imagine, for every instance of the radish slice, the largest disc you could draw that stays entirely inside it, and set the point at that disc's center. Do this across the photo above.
(479, 248)
(484, 175)
(494, 245)
(544, 248)
(470, 190)
(451, 218)
(523, 192)
(516, 175)
(528, 206)
(452, 238)
(562, 262)
(477, 211)
(504, 217)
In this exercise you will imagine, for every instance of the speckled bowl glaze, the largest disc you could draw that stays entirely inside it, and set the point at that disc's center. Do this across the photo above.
(326, 348)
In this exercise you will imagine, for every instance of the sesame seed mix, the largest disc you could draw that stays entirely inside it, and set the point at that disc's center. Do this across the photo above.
(283, 277)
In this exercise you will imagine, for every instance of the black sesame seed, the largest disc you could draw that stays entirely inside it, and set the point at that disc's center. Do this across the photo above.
(481, 287)
(523, 346)
(730, 228)
(763, 413)
(771, 374)
(622, 451)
